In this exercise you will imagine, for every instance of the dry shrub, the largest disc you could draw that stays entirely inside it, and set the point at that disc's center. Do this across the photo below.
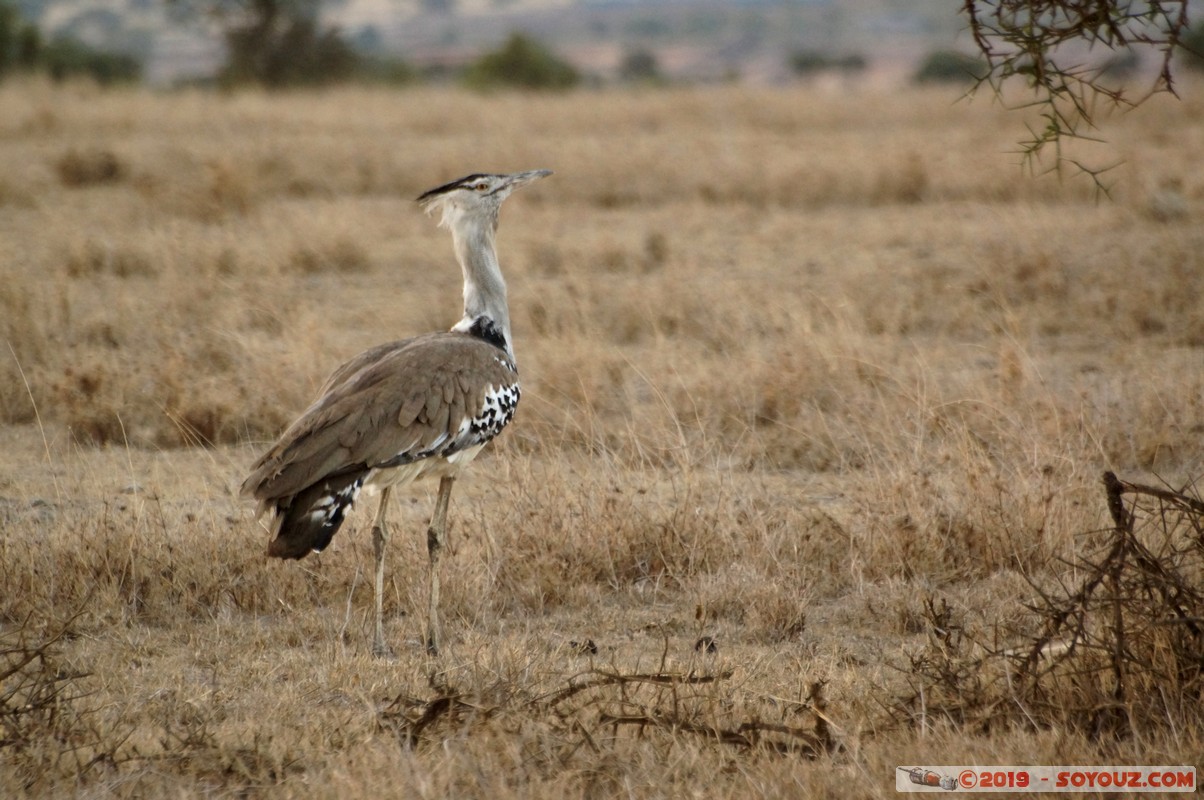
(48, 729)
(55, 733)
(1123, 650)
(90, 167)
(615, 709)
(1116, 651)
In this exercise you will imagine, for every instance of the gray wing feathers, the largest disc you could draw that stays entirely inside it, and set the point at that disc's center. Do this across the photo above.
(400, 402)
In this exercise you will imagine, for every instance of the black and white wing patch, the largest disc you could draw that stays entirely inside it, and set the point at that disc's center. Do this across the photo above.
(312, 517)
(495, 414)
(496, 411)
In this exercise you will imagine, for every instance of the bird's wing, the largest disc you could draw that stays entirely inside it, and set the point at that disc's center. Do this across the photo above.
(419, 398)
(365, 359)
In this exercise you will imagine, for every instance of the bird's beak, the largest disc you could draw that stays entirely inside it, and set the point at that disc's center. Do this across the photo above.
(523, 178)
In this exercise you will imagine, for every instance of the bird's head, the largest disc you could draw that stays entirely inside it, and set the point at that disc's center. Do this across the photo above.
(475, 198)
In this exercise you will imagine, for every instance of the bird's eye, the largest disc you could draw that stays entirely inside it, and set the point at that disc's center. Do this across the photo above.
(480, 187)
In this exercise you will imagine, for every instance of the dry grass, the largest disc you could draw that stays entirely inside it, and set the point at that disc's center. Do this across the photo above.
(808, 379)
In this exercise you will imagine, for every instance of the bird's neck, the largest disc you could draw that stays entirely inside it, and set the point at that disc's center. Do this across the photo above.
(484, 287)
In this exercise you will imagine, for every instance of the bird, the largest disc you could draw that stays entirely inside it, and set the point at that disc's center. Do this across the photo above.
(422, 407)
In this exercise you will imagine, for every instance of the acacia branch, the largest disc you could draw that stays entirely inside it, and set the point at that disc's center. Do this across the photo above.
(1042, 43)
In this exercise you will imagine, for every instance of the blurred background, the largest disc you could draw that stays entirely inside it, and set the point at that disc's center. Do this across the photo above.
(532, 43)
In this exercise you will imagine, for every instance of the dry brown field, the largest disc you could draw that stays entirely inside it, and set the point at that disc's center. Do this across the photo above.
(812, 380)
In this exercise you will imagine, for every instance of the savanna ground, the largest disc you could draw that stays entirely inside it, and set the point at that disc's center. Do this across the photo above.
(818, 392)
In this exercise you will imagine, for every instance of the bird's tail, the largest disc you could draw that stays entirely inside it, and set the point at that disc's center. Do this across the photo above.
(307, 521)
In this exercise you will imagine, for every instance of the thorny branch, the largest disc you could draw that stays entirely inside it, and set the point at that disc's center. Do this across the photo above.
(1048, 44)
(610, 699)
(1120, 652)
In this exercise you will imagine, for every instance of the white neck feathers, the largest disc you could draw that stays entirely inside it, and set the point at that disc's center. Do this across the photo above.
(484, 287)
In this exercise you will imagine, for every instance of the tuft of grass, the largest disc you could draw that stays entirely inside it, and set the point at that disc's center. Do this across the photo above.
(90, 167)
(100, 258)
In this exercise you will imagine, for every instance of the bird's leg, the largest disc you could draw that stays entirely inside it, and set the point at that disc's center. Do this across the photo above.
(380, 537)
(436, 538)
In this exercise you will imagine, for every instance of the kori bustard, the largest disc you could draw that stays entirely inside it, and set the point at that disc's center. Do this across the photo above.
(416, 408)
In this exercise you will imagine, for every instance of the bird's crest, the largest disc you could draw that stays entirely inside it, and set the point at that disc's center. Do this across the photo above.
(468, 180)
(441, 198)
(480, 190)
